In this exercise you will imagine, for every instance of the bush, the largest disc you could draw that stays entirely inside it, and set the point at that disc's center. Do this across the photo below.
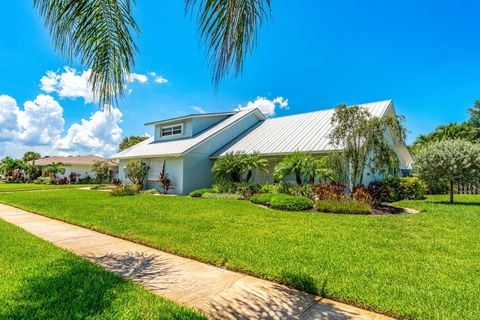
(268, 188)
(293, 189)
(290, 203)
(361, 194)
(86, 180)
(200, 192)
(136, 171)
(413, 188)
(393, 185)
(379, 191)
(244, 188)
(43, 180)
(345, 207)
(121, 191)
(262, 198)
(330, 191)
(151, 191)
(226, 196)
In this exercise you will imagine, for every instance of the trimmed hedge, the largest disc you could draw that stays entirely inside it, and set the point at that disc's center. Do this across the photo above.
(262, 198)
(290, 203)
(345, 207)
(413, 188)
(227, 196)
(200, 192)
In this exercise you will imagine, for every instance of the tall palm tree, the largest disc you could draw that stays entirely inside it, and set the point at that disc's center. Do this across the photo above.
(99, 34)
(52, 169)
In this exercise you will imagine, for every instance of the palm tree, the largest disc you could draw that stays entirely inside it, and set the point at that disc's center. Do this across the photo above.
(52, 169)
(252, 162)
(229, 166)
(99, 34)
(9, 165)
(298, 164)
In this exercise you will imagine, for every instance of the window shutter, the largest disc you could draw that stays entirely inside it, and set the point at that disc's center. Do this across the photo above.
(156, 166)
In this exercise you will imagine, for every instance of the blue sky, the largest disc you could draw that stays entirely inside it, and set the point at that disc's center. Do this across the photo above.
(316, 54)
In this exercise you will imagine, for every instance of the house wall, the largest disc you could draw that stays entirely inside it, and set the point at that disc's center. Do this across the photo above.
(83, 170)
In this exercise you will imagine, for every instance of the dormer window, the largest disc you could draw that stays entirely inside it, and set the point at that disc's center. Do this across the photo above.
(172, 130)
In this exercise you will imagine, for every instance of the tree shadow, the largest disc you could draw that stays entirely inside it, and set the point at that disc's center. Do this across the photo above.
(459, 203)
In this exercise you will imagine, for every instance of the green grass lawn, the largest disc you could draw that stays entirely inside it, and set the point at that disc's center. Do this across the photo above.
(9, 187)
(422, 266)
(41, 281)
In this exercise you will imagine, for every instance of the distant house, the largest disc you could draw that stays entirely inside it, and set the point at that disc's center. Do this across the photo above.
(81, 165)
(187, 146)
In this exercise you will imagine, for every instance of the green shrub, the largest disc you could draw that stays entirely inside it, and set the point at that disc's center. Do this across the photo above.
(200, 192)
(122, 190)
(36, 181)
(413, 188)
(290, 203)
(393, 184)
(151, 191)
(44, 180)
(262, 198)
(268, 188)
(345, 207)
(227, 196)
(244, 188)
(293, 189)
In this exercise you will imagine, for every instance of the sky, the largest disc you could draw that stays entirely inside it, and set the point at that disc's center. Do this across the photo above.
(311, 55)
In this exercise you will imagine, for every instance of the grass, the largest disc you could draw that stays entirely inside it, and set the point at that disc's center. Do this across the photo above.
(41, 281)
(421, 266)
(10, 187)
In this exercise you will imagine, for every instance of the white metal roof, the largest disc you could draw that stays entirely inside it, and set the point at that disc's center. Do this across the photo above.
(306, 132)
(150, 148)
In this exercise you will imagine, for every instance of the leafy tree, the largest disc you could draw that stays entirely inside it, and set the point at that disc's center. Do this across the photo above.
(474, 120)
(31, 155)
(449, 161)
(54, 168)
(338, 167)
(252, 162)
(136, 171)
(362, 137)
(98, 33)
(9, 165)
(301, 165)
(129, 142)
(101, 170)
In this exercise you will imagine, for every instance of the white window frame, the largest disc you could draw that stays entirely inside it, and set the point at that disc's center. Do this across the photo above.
(171, 126)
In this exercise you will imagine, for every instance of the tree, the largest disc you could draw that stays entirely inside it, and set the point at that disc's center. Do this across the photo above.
(98, 33)
(362, 137)
(54, 168)
(136, 171)
(252, 162)
(101, 171)
(474, 120)
(299, 164)
(129, 142)
(229, 166)
(31, 155)
(449, 161)
(33, 171)
(9, 165)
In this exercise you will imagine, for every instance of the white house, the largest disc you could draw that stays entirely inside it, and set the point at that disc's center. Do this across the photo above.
(187, 146)
(81, 165)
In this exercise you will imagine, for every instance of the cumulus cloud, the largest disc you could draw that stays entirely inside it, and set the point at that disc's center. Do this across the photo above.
(137, 77)
(9, 111)
(198, 109)
(158, 78)
(266, 106)
(99, 134)
(68, 84)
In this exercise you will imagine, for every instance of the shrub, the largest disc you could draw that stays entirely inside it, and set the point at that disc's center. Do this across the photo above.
(330, 191)
(200, 192)
(36, 181)
(393, 185)
(379, 191)
(361, 195)
(44, 180)
(413, 188)
(292, 189)
(345, 207)
(151, 191)
(136, 171)
(262, 198)
(101, 171)
(226, 196)
(268, 188)
(290, 203)
(121, 191)
(86, 180)
(244, 188)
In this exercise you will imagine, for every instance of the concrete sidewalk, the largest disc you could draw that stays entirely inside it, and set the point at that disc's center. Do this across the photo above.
(219, 293)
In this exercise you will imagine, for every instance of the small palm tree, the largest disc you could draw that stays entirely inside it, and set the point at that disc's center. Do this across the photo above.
(54, 168)
(229, 166)
(9, 165)
(299, 164)
(254, 162)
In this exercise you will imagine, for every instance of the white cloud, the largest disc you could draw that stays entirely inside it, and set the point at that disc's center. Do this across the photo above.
(266, 106)
(198, 109)
(158, 78)
(137, 77)
(9, 111)
(100, 134)
(68, 84)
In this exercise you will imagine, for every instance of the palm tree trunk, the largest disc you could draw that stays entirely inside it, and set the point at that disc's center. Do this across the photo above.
(298, 178)
(249, 175)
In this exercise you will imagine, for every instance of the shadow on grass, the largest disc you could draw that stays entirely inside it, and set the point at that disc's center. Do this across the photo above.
(456, 203)
(67, 289)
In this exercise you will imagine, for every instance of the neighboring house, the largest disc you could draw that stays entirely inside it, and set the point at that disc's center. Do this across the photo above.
(187, 146)
(81, 165)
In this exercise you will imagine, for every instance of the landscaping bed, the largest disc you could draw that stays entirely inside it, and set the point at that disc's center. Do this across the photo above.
(421, 266)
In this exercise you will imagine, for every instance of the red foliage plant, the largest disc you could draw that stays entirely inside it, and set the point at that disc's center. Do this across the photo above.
(330, 191)
(361, 194)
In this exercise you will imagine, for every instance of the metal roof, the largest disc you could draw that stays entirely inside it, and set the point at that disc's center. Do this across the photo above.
(306, 132)
(72, 160)
(191, 116)
(176, 147)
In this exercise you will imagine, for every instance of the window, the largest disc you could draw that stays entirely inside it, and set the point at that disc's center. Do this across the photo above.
(173, 130)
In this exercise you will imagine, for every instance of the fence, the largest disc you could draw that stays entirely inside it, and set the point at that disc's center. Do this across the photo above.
(462, 188)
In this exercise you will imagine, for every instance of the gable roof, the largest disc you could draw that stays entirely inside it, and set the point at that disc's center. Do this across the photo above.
(191, 116)
(306, 132)
(72, 160)
(150, 148)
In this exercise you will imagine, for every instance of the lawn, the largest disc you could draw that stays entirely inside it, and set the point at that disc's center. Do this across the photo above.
(41, 281)
(9, 187)
(421, 266)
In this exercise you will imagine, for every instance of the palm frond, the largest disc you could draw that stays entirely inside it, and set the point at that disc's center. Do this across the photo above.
(228, 30)
(99, 34)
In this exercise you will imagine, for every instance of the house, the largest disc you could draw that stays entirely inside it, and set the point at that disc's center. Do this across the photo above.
(188, 146)
(80, 165)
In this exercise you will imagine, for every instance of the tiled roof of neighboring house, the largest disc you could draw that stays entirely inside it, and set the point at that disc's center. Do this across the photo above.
(73, 160)
(151, 148)
(307, 132)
